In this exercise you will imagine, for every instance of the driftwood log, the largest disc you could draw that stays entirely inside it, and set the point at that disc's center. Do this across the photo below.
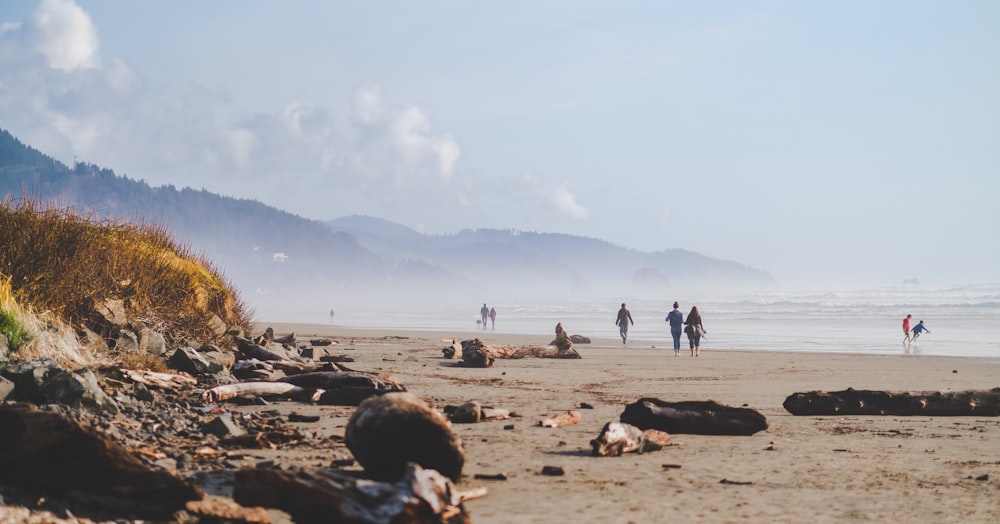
(697, 417)
(248, 349)
(387, 432)
(418, 496)
(345, 388)
(568, 418)
(339, 388)
(472, 411)
(44, 452)
(475, 354)
(160, 380)
(617, 438)
(980, 403)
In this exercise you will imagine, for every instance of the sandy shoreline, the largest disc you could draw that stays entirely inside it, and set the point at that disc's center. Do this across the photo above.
(823, 469)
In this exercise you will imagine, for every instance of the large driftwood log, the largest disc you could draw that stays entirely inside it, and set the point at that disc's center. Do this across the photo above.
(981, 403)
(257, 389)
(345, 388)
(544, 352)
(160, 380)
(418, 496)
(475, 354)
(43, 451)
(617, 438)
(387, 432)
(698, 417)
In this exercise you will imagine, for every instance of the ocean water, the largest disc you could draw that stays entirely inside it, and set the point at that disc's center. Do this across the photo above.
(963, 320)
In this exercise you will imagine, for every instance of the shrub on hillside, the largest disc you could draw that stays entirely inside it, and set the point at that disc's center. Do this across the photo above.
(70, 265)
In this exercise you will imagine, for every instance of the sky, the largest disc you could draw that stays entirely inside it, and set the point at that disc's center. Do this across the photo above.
(833, 144)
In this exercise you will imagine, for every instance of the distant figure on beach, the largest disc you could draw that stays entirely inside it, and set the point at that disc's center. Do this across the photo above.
(485, 313)
(906, 330)
(918, 329)
(493, 318)
(331, 315)
(676, 320)
(623, 321)
(694, 331)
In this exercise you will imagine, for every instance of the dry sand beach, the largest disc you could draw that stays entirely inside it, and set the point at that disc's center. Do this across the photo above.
(818, 469)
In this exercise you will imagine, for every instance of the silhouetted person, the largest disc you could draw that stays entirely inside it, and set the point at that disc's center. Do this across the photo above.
(918, 329)
(485, 313)
(623, 321)
(493, 318)
(676, 320)
(906, 330)
(694, 331)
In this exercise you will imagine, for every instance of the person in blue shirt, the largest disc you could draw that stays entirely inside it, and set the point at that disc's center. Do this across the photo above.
(676, 320)
(918, 329)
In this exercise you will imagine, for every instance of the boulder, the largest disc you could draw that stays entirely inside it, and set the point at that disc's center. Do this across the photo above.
(387, 432)
(152, 342)
(188, 360)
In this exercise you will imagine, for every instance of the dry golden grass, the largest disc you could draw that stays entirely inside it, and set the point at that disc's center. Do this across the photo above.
(66, 265)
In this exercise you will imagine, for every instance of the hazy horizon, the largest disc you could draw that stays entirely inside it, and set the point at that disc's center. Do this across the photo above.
(833, 145)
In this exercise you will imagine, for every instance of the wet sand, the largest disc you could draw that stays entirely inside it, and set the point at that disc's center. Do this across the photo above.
(817, 469)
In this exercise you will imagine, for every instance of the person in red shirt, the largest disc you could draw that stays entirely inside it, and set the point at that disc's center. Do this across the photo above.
(906, 330)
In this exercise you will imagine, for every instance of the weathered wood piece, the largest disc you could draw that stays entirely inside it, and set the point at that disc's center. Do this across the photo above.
(697, 417)
(617, 438)
(250, 350)
(475, 354)
(387, 432)
(160, 380)
(345, 388)
(979, 403)
(472, 411)
(452, 351)
(544, 352)
(44, 452)
(257, 389)
(417, 496)
(563, 419)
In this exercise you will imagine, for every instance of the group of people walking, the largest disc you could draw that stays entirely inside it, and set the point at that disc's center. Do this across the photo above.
(691, 326)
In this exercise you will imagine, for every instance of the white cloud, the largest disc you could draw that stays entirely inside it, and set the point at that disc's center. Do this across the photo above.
(566, 203)
(368, 105)
(411, 132)
(66, 35)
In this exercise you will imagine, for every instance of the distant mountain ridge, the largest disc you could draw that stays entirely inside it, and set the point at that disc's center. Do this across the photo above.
(275, 255)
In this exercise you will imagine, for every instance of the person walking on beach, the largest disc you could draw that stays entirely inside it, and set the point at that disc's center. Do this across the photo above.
(493, 318)
(676, 320)
(918, 329)
(623, 320)
(485, 313)
(694, 331)
(906, 330)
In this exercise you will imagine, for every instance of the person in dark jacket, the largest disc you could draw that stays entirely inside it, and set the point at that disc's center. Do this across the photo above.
(623, 321)
(694, 331)
(676, 320)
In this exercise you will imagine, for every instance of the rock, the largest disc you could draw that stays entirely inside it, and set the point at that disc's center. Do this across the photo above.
(321, 342)
(127, 342)
(223, 359)
(222, 427)
(579, 339)
(470, 411)
(6, 387)
(152, 342)
(44, 382)
(50, 455)
(4, 351)
(112, 311)
(387, 432)
(188, 360)
(554, 471)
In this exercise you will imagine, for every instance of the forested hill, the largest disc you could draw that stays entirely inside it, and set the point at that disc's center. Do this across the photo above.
(274, 255)
(261, 248)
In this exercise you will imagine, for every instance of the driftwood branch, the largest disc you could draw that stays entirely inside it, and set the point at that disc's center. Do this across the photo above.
(982, 403)
(696, 417)
(160, 380)
(419, 496)
(257, 389)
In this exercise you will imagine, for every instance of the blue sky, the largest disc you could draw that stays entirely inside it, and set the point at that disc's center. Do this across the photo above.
(830, 143)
